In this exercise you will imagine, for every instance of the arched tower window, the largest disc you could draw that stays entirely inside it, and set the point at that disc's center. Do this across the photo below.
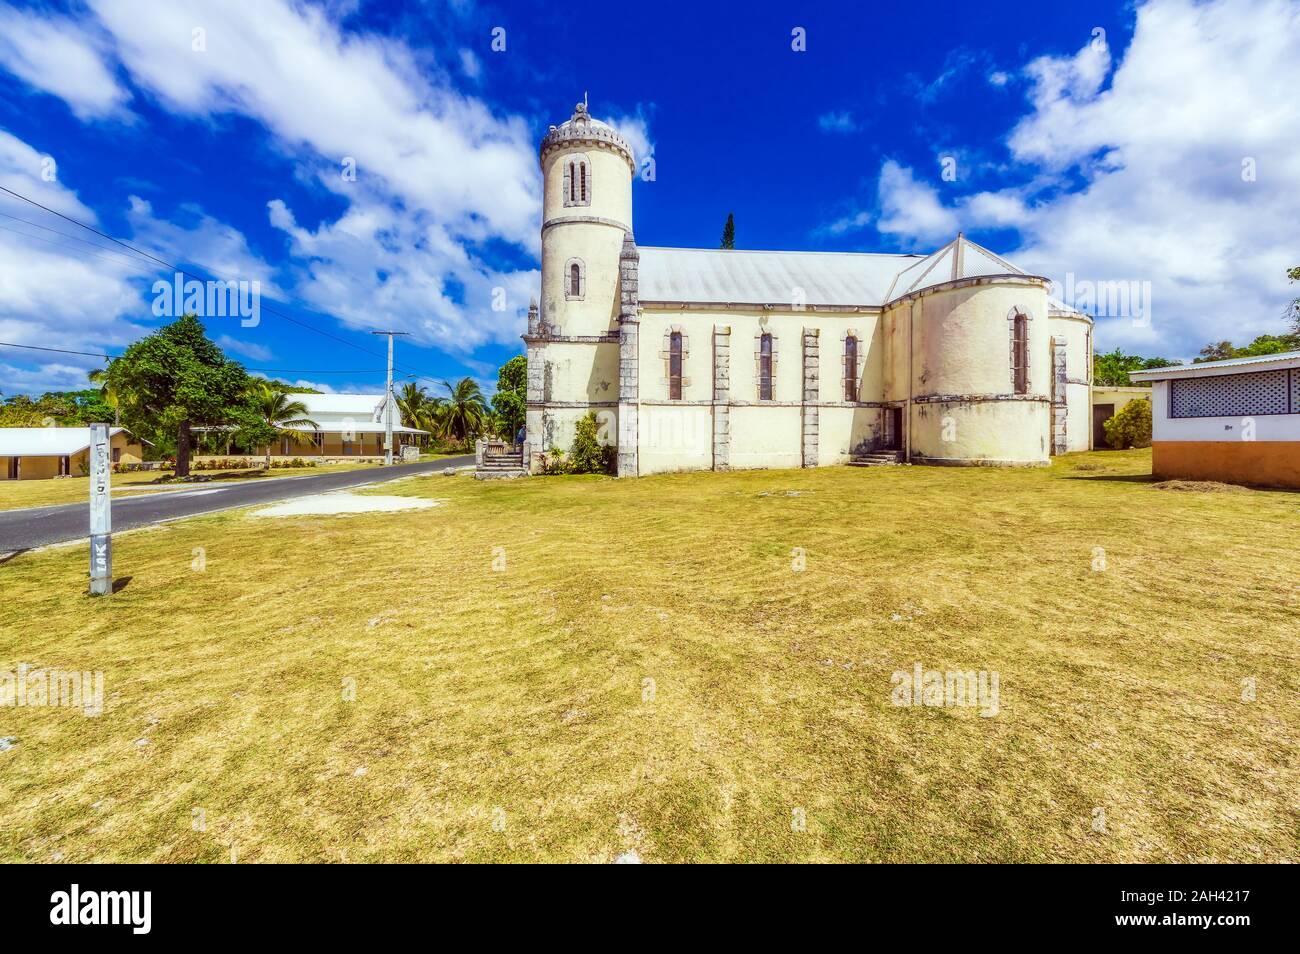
(675, 366)
(1020, 352)
(851, 368)
(577, 180)
(575, 279)
(765, 368)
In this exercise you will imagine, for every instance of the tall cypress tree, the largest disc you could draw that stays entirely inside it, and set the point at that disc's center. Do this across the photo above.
(729, 232)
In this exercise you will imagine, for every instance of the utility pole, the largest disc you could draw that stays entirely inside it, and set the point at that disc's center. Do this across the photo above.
(388, 399)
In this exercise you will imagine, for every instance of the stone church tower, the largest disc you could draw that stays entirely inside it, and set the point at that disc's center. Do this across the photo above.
(573, 341)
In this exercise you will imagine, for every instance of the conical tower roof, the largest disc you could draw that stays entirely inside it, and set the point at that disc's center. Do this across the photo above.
(960, 258)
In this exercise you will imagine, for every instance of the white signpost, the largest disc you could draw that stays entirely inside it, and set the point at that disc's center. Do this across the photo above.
(101, 525)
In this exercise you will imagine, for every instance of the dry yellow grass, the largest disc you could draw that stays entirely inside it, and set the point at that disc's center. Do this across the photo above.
(647, 672)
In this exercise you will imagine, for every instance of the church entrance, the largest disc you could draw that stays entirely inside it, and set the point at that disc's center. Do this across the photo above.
(891, 430)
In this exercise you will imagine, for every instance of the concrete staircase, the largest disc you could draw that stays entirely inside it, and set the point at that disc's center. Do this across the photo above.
(500, 463)
(876, 459)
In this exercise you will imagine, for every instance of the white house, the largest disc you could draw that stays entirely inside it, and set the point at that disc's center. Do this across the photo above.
(348, 425)
(1236, 421)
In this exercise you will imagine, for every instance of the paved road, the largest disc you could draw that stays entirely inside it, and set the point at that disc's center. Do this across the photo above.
(40, 526)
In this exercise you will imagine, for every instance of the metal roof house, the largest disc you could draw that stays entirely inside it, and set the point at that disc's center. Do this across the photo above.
(1235, 421)
(35, 453)
(348, 425)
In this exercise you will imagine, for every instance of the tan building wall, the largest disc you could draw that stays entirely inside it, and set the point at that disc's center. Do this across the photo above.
(122, 450)
(1261, 463)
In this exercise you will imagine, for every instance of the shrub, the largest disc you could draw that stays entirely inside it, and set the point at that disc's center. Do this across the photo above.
(587, 455)
(552, 462)
(1131, 426)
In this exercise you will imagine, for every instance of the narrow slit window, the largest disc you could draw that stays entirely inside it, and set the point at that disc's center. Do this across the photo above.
(1020, 353)
(850, 368)
(575, 280)
(765, 368)
(573, 183)
(582, 177)
(675, 366)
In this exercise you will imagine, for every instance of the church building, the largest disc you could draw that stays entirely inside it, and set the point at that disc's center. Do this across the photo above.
(699, 359)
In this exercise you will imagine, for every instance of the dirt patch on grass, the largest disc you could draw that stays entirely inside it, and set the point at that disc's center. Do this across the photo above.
(341, 503)
(1202, 486)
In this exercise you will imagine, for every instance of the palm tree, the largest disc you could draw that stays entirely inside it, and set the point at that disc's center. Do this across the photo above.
(418, 409)
(286, 415)
(410, 403)
(461, 417)
(100, 376)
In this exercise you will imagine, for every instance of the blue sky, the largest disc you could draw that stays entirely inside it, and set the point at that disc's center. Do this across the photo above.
(1094, 142)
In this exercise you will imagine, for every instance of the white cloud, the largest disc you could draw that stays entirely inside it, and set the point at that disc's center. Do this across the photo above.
(470, 64)
(1201, 88)
(438, 174)
(1158, 142)
(379, 261)
(840, 121)
(62, 57)
(328, 95)
(248, 349)
(999, 78)
(61, 286)
(911, 210)
(635, 128)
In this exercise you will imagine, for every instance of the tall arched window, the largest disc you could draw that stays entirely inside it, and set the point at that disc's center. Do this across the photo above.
(1020, 353)
(675, 366)
(576, 188)
(575, 279)
(765, 368)
(851, 368)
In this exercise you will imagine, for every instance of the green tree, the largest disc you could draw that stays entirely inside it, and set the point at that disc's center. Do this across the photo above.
(461, 417)
(177, 379)
(100, 377)
(1216, 352)
(275, 414)
(1294, 275)
(418, 409)
(1111, 369)
(1263, 344)
(1131, 426)
(729, 232)
(511, 395)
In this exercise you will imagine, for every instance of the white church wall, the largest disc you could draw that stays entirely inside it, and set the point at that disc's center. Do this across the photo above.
(1077, 332)
(765, 436)
(674, 437)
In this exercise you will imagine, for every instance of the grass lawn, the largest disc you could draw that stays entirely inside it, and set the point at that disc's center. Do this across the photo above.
(16, 494)
(574, 668)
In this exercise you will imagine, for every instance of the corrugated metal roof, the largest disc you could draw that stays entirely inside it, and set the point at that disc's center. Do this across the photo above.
(722, 276)
(367, 405)
(960, 258)
(863, 279)
(1226, 366)
(46, 441)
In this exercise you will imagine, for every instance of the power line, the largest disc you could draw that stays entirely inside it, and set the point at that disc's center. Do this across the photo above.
(174, 268)
(110, 357)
